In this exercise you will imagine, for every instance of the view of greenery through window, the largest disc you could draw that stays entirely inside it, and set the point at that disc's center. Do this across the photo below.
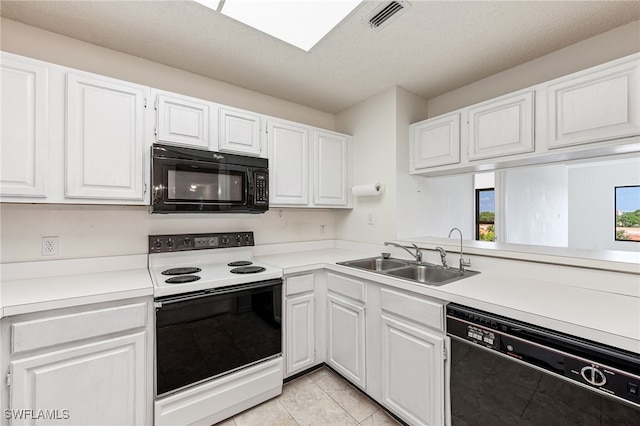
(627, 214)
(485, 214)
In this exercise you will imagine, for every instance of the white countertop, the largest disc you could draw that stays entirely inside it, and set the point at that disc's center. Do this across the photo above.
(607, 318)
(38, 286)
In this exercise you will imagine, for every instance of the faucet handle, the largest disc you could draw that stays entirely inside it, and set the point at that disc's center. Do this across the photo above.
(464, 263)
(386, 255)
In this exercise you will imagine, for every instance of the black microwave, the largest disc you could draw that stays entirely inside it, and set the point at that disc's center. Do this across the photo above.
(187, 180)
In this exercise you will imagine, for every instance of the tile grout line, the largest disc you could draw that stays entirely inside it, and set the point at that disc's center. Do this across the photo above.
(288, 412)
(336, 401)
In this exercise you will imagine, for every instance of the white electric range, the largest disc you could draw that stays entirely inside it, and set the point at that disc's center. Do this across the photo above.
(218, 322)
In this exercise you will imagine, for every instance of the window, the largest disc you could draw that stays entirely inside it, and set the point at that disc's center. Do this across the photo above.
(627, 213)
(485, 214)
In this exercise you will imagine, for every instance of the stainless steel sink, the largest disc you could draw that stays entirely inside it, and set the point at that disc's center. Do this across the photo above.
(423, 273)
(432, 275)
(375, 263)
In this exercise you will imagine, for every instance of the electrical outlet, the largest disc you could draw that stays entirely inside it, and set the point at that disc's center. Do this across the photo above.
(371, 219)
(322, 229)
(49, 246)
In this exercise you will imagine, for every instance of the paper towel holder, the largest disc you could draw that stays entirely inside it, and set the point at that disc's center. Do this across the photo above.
(367, 190)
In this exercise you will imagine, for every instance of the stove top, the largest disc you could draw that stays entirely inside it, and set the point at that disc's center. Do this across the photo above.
(185, 263)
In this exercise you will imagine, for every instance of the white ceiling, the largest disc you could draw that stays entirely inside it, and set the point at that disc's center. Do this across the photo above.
(432, 48)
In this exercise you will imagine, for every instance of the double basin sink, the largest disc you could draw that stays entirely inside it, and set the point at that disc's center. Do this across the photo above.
(423, 273)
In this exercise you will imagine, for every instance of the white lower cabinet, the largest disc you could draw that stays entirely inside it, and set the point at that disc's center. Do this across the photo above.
(412, 372)
(79, 367)
(346, 327)
(346, 337)
(391, 343)
(300, 329)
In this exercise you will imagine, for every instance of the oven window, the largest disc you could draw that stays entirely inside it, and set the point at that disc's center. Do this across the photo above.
(218, 186)
(209, 336)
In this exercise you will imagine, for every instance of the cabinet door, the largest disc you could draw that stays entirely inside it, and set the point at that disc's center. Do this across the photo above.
(288, 164)
(503, 126)
(300, 333)
(346, 334)
(599, 104)
(239, 132)
(183, 121)
(331, 160)
(412, 373)
(435, 142)
(23, 140)
(101, 383)
(105, 139)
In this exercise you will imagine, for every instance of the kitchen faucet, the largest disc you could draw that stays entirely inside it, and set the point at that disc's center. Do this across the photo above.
(443, 256)
(463, 263)
(417, 255)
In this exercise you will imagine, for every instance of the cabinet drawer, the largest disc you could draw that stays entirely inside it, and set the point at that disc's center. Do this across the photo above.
(416, 309)
(43, 332)
(346, 286)
(299, 284)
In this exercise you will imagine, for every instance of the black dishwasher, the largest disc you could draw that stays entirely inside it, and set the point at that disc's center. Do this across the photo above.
(506, 372)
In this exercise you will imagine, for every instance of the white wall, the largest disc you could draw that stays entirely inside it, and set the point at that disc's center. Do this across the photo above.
(93, 231)
(591, 203)
(410, 196)
(373, 126)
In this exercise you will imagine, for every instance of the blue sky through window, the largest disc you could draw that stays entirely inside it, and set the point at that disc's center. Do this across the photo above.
(627, 198)
(487, 201)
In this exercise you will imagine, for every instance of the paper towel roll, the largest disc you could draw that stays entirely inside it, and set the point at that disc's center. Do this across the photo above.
(366, 190)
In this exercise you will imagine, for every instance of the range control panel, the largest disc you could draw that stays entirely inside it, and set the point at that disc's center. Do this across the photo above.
(185, 242)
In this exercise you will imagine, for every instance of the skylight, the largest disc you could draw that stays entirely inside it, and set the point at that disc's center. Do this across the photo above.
(302, 23)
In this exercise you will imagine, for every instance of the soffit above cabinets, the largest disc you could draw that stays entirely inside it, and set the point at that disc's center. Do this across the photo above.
(431, 48)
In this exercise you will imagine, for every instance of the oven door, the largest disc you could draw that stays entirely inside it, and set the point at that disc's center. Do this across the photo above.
(204, 335)
(181, 185)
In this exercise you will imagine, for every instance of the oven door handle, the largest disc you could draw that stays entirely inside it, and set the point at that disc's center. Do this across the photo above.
(217, 291)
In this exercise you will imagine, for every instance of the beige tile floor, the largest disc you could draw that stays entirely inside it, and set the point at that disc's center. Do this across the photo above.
(319, 398)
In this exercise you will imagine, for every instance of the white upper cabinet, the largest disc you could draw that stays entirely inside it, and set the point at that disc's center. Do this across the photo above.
(105, 138)
(288, 164)
(240, 132)
(501, 126)
(331, 169)
(598, 104)
(435, 142)
(24, 137)
(306, 172)
(186, 121)
(558, 120)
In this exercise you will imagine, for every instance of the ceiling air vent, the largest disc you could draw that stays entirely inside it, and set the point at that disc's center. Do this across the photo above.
(385, 12)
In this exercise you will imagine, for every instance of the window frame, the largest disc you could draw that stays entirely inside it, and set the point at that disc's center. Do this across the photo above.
(478, 191)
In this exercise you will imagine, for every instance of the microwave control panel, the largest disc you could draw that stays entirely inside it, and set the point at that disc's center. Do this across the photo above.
(262, 188)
